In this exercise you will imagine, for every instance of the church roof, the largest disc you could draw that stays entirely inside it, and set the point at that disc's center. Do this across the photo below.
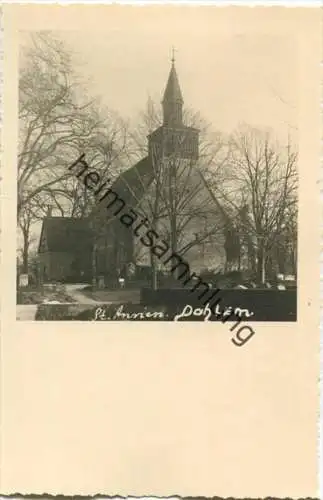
(132, 184)
(173, 91)
(65, 234)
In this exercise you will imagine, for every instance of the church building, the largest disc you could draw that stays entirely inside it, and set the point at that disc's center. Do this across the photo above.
(166, 190)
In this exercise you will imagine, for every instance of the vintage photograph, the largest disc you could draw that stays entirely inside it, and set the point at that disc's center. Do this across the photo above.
(154, 177)
(160, 251)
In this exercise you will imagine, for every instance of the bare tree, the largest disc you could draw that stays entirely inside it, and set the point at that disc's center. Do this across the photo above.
(58, 122)
(261, 178)
(50, 118)
(107, 153)
(25, 222)
(178, 202)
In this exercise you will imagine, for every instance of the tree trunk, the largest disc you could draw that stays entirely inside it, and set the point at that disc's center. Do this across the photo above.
(261, 274)
(94, 267)
(25, 260)
(173, 214)
(294, 261)
(154, 283)
(25, 252)
(173, 241)
(153, 261)
(251, 256)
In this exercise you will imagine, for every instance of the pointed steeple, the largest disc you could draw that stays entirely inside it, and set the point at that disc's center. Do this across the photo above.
(173, 101)
(173, 137)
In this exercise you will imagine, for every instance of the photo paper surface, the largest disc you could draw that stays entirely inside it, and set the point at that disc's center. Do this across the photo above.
(160, 166)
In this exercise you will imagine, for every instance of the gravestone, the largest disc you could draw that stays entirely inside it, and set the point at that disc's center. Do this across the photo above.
(101, 283)
(23, 280)
(131, 269)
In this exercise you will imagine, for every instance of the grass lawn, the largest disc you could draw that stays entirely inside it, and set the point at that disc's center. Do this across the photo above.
(118, 296)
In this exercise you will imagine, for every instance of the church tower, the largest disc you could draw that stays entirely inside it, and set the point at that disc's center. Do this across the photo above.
(173, 101)
(173, 137)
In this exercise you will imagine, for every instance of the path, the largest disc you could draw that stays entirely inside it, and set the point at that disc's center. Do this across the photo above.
(26, 312)
(75, 292)
(102, 296)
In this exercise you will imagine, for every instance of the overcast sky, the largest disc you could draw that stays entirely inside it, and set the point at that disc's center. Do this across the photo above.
(232, 68)
(227, 79)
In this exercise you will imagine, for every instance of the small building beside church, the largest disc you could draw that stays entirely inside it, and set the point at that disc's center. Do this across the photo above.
(65, 249)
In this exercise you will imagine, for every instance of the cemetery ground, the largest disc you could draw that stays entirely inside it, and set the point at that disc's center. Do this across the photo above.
(81, 301)
(42, 294)
(85, 293)
(70, 301)
(69, 293)
(111, 296)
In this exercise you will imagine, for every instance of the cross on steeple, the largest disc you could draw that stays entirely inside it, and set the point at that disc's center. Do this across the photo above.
(173, 55)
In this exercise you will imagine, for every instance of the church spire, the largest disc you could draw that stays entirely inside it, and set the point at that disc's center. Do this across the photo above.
(173, 100)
